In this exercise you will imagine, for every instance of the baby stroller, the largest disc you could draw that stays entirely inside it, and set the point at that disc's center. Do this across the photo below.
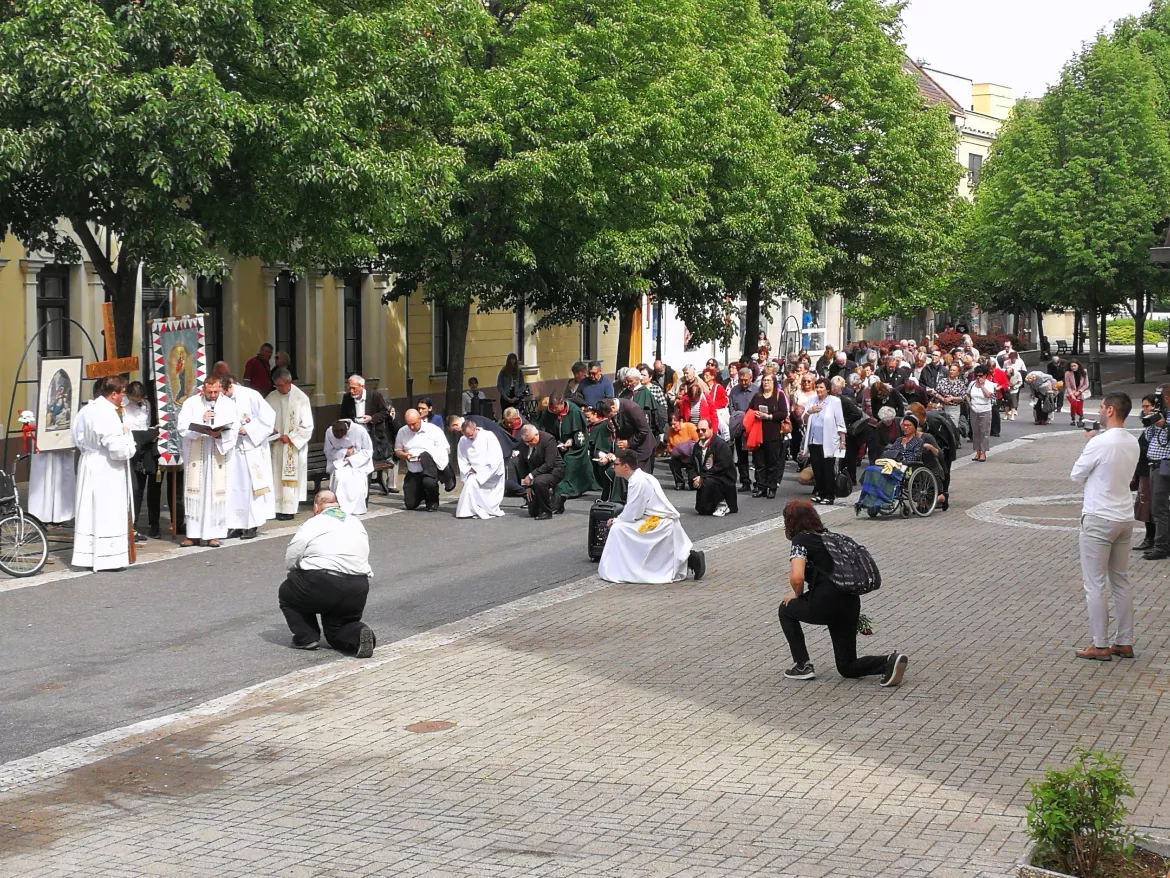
(890, 487)
(1044, 392)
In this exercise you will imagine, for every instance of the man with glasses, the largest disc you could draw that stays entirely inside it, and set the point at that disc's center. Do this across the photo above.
(712, 473)
(595, 387)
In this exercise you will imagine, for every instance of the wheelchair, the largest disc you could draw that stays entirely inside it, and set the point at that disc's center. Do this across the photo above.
(914, 492)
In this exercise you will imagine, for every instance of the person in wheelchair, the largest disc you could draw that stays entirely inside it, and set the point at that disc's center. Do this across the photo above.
(886, 485)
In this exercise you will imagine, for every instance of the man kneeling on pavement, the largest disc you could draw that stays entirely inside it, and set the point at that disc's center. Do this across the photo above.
(329, 573)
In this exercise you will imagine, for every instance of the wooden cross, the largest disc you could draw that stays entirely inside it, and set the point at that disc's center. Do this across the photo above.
(112, 364)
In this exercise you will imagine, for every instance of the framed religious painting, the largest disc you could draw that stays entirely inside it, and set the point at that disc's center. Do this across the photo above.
(58, 400)
(178, 350)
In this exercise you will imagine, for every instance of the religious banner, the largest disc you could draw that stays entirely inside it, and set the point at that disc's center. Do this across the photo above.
(179, 359)
(58, 400)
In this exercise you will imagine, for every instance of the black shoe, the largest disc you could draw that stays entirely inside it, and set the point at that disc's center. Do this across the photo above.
(139, 538)
(801, 672)
(283, 516)
(249, 534)
(1144, 546)
(1156, 555)
(559, 505)
(747, 489)
(392, 489)
(895, 669)
(759, 492)
(233, 533)
(154, 533)
(697, 563)
(366, 644)
(312, 645)
(544, 516)
(432, 507)
(771, 493)
(679, 486)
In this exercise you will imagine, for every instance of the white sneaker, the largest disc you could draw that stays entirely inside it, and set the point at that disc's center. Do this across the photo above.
(721, 510)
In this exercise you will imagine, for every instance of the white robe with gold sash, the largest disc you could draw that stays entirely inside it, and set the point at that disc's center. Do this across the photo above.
(205, 466)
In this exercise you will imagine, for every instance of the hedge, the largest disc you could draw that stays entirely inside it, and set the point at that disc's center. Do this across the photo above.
(1122, 331)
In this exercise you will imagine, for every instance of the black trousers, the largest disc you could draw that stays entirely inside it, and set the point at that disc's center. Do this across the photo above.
(769, 461)
(512, 486)
(149, 486)
(712, 492)
(824, 472)
(543, 488)
(853, 453)
(995, 420)
(338, 598)
(838, 611)
(678, 467)
(419, 487)
(742, 459)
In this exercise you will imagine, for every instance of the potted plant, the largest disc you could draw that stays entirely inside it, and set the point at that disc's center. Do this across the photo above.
(1076, 821)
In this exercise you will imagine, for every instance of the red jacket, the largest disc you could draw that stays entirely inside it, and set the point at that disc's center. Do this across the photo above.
(710, 403)
(753, 430)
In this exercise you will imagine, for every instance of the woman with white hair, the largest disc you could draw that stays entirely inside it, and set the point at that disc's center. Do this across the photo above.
(824, 440)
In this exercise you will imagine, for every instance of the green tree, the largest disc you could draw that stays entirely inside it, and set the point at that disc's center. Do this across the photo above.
(1077, 187)
(577, 126)
(199, 130)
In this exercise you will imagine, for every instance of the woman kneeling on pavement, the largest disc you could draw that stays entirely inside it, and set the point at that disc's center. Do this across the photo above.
(815, 600)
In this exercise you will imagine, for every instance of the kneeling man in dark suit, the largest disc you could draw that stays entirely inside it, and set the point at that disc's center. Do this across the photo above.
(712, 473)
(542, 469)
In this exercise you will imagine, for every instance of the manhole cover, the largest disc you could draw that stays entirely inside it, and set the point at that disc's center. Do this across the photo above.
(430, 725)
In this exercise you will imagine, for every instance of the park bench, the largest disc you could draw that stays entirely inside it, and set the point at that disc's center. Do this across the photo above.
(317, 473)
(1063, 347)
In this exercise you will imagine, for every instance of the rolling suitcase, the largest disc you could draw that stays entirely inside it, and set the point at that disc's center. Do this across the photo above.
(599, 514)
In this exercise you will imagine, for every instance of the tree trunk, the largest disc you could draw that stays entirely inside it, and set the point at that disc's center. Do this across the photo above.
(1076, 339)
(121, 286)
(1101, 336)
(751, 327)
(1045, 349)
(1094, 352)
(458, 317)
(1139, 337)
(626, 317)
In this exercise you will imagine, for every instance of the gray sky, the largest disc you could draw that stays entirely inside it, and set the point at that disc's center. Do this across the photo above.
(1018, 43)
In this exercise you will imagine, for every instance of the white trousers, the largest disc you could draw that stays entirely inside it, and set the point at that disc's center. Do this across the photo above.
(1104, 548)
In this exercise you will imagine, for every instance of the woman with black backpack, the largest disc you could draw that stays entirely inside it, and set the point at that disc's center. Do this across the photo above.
(826, 592)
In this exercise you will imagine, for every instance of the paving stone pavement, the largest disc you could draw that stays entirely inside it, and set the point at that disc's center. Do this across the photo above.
(646, 730)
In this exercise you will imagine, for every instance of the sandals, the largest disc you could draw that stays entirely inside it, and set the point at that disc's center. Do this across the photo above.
(187, 544)
(214, 544)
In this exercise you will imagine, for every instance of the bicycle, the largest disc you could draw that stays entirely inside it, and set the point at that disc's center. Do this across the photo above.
(24, 548)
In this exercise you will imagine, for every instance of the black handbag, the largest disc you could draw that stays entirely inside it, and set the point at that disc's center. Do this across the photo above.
(844, 482)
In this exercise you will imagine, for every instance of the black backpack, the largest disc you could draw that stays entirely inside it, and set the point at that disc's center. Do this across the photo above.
(854, 570)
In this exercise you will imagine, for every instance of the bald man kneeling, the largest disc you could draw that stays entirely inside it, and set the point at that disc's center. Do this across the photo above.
(329, 573)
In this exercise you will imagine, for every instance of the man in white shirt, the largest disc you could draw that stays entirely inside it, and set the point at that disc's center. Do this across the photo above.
(1105, 468)
(427, 453)
(646, 542)
(329, 573)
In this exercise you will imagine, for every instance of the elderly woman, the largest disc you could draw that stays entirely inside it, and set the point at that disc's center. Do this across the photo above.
(713, 403)
(690, 388)
(771, 408)
(824, 441)
(815, 600)
(1044, 389)
(949, 392)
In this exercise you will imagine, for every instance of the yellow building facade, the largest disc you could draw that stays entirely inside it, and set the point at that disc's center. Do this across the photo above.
(331, 327)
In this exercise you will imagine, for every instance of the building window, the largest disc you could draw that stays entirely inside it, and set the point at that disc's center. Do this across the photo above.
(352, 309)
(813, 326)
(974, 169)
(590, 335)
(53, 304)
(440, 339)
(286, 318)
(209, 302)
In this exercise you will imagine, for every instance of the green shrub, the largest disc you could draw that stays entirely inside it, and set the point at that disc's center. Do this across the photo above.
(1076, 816)
(1122, 331)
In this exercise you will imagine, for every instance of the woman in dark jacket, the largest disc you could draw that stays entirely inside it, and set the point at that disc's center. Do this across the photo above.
(1143, 506)
(768, 459)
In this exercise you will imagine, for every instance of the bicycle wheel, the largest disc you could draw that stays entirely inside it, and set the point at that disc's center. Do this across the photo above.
(923, 492)
(23, 546)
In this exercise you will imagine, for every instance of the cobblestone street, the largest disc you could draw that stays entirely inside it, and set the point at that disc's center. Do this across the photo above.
(647, 730)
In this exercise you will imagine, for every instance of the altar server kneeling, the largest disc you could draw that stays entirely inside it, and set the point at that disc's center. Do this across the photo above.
(349, 460)
(646, 542)
(481, 464)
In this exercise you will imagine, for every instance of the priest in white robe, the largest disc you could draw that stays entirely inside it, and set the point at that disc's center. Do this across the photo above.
(209, 427)
(349, 460)
(481, 464)
(101, 529)
(251, 493)
(646, 542)
(290, 445)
